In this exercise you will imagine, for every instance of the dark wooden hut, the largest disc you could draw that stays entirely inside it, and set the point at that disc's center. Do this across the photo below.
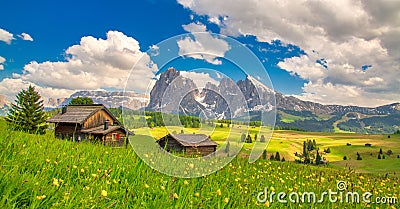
(94, 122)
(189, 144)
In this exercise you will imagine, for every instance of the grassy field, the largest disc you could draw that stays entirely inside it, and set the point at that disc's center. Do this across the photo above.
(44, 172)
(287, 143)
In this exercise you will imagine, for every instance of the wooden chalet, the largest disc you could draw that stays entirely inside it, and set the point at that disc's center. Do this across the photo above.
(89, 122)
(189, 144)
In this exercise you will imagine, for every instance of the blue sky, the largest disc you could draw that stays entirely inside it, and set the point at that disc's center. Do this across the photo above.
(334, 53)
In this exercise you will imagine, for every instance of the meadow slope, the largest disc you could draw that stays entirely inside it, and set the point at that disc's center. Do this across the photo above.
(44, 172)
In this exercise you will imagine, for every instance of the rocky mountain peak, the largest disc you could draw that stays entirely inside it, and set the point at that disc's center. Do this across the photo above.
(171, 90)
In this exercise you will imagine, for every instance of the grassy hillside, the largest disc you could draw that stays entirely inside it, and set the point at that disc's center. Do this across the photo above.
(350, 122)
(287, 143)
(43, 172)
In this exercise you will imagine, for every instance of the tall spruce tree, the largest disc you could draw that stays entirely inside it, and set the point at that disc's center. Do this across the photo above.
(249, 139)
(228, 146)
(243, 138)
(318, 158)
(264, 154)
(27, 113)
(305, 150)
(277, 156)
(262, 139)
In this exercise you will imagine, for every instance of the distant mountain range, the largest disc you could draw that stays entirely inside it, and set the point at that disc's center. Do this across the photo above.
(232, 100)
(109, 99)
(292, 112)
(129, 100)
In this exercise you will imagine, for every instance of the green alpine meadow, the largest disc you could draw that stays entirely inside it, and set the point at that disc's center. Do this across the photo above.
(40, 171)
(200, 104)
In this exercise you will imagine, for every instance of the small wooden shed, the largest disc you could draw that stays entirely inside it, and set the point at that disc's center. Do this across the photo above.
(89, 122)
(189, 144)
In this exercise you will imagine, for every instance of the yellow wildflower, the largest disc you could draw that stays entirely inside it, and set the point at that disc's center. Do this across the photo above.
(218, 192)
(55, 182)
(267, 203)
(176, 196)
(41, 197)
(104, 193)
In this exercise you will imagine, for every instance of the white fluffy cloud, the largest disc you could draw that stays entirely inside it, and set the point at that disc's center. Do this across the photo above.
(199, 78)
(11, 86)
(2, 60)
(93, 64)
(25, 37)
(348, 34)
(203, 46)
(6, 36)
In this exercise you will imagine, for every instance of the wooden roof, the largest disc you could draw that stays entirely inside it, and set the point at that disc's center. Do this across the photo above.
(79, 114)
(193, 140)
(100, 130)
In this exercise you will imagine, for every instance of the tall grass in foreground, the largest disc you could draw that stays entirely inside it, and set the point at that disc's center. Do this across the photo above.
(44, 172)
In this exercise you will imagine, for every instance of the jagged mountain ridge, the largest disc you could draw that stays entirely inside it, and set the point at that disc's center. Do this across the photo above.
(176, 88)
(129, 100)
(257, 95)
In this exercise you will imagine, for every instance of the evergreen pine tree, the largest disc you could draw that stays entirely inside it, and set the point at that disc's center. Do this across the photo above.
(248, 139)
(255, 137)
(379, 156)
(380, 151)
(272, 157)
(262, 139)
(283, 159)
(305, 149)
(328, 150)
(264, 154)
(27, 114)
(243, 137)
(318, 158)
(359, 156)
(228, 146)
(277, 156)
